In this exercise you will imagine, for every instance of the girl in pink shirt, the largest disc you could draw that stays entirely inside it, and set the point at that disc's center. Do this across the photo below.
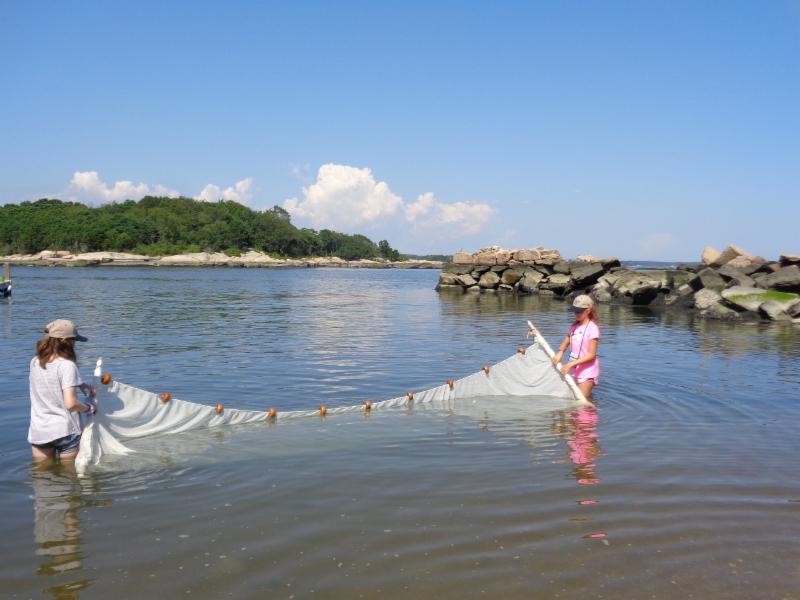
(582, 339)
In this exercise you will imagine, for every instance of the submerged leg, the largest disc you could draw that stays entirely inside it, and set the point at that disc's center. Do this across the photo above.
(586, 388)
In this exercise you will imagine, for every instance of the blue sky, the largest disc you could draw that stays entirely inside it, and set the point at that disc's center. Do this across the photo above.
(644, 130)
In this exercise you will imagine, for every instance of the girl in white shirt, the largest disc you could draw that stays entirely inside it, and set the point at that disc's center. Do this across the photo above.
(55, 429)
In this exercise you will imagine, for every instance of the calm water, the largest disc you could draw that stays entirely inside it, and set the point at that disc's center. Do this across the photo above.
(683, 483)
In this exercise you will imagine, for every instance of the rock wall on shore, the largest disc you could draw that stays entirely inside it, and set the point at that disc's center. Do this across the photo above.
(204, 259)
(730, 284)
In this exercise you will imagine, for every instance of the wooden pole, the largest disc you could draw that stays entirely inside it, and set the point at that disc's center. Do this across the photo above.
(6, 272)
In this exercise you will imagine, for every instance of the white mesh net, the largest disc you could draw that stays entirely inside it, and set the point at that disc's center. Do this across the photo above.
(127, 412)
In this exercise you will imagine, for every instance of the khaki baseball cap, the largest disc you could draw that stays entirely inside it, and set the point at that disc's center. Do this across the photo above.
(581, 303)
(63, 329)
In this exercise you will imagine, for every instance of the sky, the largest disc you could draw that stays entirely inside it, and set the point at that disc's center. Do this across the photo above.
(642, 130)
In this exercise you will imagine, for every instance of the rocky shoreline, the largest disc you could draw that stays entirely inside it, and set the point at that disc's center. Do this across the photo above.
(50, 258)
(731, 284)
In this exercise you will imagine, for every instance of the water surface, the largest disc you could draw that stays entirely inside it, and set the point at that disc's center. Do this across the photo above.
(681, 483)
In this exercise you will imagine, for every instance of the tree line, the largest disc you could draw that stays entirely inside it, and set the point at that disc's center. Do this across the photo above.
(160, 226)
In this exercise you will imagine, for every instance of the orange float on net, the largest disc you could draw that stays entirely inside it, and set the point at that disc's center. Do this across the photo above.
(219, 408)
(323, 410)
(165, 397)
(410, 396)
(521, 351)
(450, 383)
(105, 379)
(367, 405)
(486, 369)
(272, 413)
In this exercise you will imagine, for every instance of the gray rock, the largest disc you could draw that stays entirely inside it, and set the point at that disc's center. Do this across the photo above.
(586, 274)
(503, 287)
(786, 279)
(728, 272)
(641, 288)
(530, 280)
(511, 276)
(741, 281)
(561, 268)
(601, 294)
(480, 270)
(462, 258)
(681, 297)
(557, 283)
(474, 288)
(449, 288)
(744, 298)
(774, 311)
(489, 280)
(706, 298)
(499, 268)
(729, 254)
(448, 279)
(790, 259)
(720, 311)
(709, 279)
(466, 280)
(456, 268)
(793, 310)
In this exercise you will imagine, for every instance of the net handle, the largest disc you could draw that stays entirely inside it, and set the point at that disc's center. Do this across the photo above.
(539, 339)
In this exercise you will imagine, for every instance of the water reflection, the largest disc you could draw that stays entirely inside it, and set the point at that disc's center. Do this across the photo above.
(579, 431)
(58, 496)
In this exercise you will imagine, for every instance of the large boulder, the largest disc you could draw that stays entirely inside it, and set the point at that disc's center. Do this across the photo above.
(466, 280)
(527, 255)
(706, 298)
(790, 259)
(448, 279)
(729, 254)
(456, 269)
(503, 256)
(720, 311)
(744, 298)
(709, 255)
(585, 274)
(793, 309)
(462, 258)
(680, 297)
(489, 280)
(639, 287)
(786, 279)
(774, 310)
(511, 276)
(557, 283)
(562, 268)
(530, 280)
(709, 279)
(486, 257)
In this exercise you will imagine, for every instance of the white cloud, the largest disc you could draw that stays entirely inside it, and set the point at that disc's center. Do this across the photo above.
(241, 192)
(428, 211)
(344, 197)
(88, 185)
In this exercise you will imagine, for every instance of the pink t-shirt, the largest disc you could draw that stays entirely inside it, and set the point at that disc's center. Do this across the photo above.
(579, 337)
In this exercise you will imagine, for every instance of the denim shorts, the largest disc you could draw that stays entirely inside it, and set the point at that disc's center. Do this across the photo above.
(61, 445)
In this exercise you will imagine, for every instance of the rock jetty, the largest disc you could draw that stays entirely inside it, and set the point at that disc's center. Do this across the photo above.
(51, 258)
(729, 284)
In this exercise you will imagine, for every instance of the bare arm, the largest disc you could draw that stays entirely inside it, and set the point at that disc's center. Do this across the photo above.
(561, 348)
(73, 404)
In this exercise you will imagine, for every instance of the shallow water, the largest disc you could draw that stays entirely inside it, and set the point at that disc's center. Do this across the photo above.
(682, 483)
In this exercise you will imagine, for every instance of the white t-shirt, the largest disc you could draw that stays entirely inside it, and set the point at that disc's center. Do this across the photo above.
(50, 419)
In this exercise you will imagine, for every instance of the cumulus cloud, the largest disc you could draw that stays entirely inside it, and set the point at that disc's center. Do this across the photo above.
(88, 185)
(428, 211)
(344, 197)
(241, 192)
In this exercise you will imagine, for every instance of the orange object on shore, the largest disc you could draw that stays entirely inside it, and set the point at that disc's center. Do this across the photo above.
(323, 410)
(165, 397)
(105, 379)
(272, 413)
(486, 369)
(219, 408)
